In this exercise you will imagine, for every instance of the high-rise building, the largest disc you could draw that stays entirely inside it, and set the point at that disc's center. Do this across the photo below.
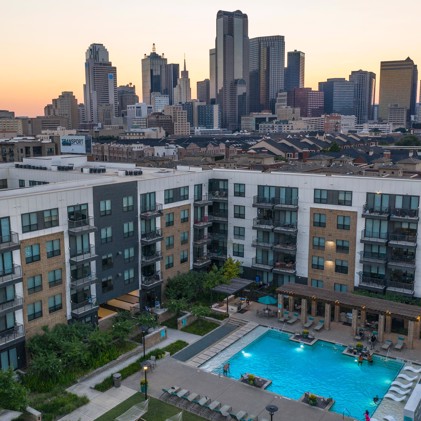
(203, 91)
(232, 66)
(294, 73)
(364, 94)
(172, 74)
(64, 106)
(179, 119)
(266, 66)
(310, 103)
(153, 75)
(182, 92)
(126, 96)
(212, 75)
(398, 85)
(338, 96)
(100, 89)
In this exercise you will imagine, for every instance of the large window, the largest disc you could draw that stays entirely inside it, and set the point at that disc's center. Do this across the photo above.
(6, 263)
(184, 193)
(169, 242)
(53, 248)
(128, 276)
(239, 190)
(32, 253)
(107, 261)
(169, 219)
(128, 203)
(169, 196)
(318, 262)
(129, 255)
(55, 277)
(341, 266)
(51, 218)
(317, 283)
(239, 211)
(184, 215)
(184, 237)
(176, 194)
(55, 303)
(184, 256)
(7, 294)
(319, 243)
(29, 222)
(333, 197)
(342, 246)
(169, 261)
(5, 234)
(34, 284)
(106, 235)
(239, 233)
(105, 207)
(107, 284)
(343, 222)
(238, 250)
(319, 220)
(340, 287)
(148, 202)
(128, 229)
(34, 310)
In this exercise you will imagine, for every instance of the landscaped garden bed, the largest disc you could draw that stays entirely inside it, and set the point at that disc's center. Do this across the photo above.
(317, 401)
(255, 381)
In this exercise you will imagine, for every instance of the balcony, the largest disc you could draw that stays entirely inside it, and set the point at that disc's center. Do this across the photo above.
(284, 268)
(218, 216)
(202, 240)
(403, 239)
(152, 237)
(81, 226)
(406, 288)
(410, 215)
(12, 334)
(287, 204)
(218, 254)
(218, 235)
(201, 262)
(14, 274)
(369, 257)
(202, 200)
(153, 211)
(263, 224)
(376, 237)
(12, 305)
(263, 202)
(9, 242)
(282, 227)
(218, 195)
(372, 283)
(149, 282)
(401, 262)
(81, 310)
(285, 246)
(87, 280)
(85, 255)
(262, 244)
(262, 264)
(151, 258)
(376, 213)
(202, 222)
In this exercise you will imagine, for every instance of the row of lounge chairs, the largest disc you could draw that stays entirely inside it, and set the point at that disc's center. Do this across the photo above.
(291, 318)
(398, 346)
(203, 405)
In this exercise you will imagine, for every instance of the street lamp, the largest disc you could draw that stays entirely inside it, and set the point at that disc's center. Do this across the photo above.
(144, 332)
(145, 369)
(271, 409)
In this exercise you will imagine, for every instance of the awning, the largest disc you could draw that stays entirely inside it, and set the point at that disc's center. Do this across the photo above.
(234, 286)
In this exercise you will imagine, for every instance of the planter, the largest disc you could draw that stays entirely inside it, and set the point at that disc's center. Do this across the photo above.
(143, 388)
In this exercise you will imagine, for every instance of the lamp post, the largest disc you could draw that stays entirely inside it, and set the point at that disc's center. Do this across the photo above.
(145, 369)
(271, 409)
(144, 332)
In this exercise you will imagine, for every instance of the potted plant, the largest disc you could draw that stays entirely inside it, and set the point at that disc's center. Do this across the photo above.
(143, 385)
(359, 346)
(312, 399)
(305, 333)
(251, 378)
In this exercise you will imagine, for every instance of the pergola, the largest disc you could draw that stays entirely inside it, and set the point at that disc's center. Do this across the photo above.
(232, 287)
(386, 310)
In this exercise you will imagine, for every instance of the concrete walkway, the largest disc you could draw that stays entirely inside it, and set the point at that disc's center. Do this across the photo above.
(102, 402)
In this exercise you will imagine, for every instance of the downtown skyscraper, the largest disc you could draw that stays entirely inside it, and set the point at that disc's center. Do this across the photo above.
(266, 66)
(364, 94)
(295, 72)
(100, 89)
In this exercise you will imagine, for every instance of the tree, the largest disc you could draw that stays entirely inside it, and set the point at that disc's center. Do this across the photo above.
(409, 140)
(214, 278)
(231, 269)
(187, 286)
(177, 306)
(334, 147)
(13, 395)
(200, 311)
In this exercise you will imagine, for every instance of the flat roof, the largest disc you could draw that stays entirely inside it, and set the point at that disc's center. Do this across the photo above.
(234, 286)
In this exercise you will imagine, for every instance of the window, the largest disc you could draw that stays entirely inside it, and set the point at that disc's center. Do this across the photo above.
(184, 193)
(169, 242)
(239, 190)
(107, 284)
(32, 253)
(107, 261)
(239, 211)
(343, 222)
(78, 212)
(34, 284)
(169, 196)
(341, 287)
(333, 197)
(345, 198)
(105, 207)
(106, 235)
(184, 257)
(128, 276)
(7, 294)
(318, 262)
(34, 310)
(129, 255)
(53, 248)
(5, 233)
(6, 263)
(55, 303)
(238, 250)
(29, 222)
(21, 183)
(169, 262)
(51, 218)
(128, 229)
(319, 243)
(55, 277)
(319, 220)
(148, 202)
(128, 203)
(239, 233)
(316, 283)
(169, 219)
(176, 195)
(184, 215)
(184, 237)
(320, 196)
(342, 246)
(341, 266)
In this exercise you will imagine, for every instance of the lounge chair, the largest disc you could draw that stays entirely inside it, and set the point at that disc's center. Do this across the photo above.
(319, 325)
(402, 385)
(285, 317)
(223, 410)
(387, 344)
(400, 344)
(405, 377)
(394, 397)
(399, 391)
(190, 398)
(389, 418)
(182, 393)
(413, 369)
(309, 322)
(240, 415)
(170, 391)
(200, 404)
(293, 319)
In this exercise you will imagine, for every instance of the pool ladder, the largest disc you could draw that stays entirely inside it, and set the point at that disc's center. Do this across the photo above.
(348, 413)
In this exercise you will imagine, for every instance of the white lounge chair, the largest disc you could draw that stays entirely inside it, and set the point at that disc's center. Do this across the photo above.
(293, 319)
(319, 325)
(399, 391)
(400, 344)
(389, 418)
(309, 322)
(394, 397)
(285, 317)
(405, 377)
(402, 385)
(240, 415)
(413, 369)
(387, 344)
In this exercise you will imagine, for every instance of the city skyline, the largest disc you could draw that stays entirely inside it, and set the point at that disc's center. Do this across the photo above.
(39, 63)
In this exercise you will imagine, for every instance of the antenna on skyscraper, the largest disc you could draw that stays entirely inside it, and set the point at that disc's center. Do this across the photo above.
(153, 48)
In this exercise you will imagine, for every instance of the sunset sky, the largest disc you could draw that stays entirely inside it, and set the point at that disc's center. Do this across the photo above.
(43, 42)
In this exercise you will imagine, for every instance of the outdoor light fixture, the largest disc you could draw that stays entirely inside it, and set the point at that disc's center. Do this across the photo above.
(145, 369)
(271, 409)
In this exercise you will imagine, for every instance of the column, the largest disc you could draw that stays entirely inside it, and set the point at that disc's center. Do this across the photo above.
(280, 306)
(380, 336)
(388, 323)
(363, 316)
(417, 329)
(328, 310)
(337, 310)
(291, 304)
(303, 310)
(411, 331)
(313, 307)
(354, 323)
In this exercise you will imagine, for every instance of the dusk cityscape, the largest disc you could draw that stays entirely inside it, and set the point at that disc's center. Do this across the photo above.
(210, 211)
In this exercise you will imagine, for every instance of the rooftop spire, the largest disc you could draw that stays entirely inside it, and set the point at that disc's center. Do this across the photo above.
(153, 48)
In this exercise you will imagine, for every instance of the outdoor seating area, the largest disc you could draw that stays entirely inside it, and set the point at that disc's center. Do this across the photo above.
(135, 413)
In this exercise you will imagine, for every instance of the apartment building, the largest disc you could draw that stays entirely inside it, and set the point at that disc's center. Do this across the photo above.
(76, 236)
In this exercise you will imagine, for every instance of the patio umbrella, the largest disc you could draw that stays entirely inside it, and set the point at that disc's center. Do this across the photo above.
(268, 300)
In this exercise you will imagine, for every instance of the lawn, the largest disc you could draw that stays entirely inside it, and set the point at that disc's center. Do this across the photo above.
(200, 327)
(158, 410)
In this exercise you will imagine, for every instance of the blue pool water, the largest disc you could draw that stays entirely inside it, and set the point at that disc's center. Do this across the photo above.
(321, 369)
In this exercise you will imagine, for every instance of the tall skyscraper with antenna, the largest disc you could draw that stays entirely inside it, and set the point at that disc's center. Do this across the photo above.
(182, 92)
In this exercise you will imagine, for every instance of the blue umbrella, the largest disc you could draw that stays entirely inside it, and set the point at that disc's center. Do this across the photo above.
(268, 300)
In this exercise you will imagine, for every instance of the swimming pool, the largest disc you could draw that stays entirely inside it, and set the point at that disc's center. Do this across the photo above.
(321, 369)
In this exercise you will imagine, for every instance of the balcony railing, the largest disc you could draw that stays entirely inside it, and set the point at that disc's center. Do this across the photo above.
(374, 236)
(218, 216)
(151, 258)
(263, 202)
(11, 275)
(260, 223)
(202, 222)
(84, 308)
(262, 264)
(402, 261)
(218, 195)
(152, 211)
(281, 267)
(12, 334)
(220, 253)
(81, 225)
(201, 240)
(152, 280)
(402, 287)
(368, 280)
(218, 235)
(10, 241)
(399, 237)
(83, 281)
(369, 257)
(282, 203)
(201, 262)
(284, 227)
(404, 214)
(86, 254)
(152, 237)
(378, 213)
(202, 200)
(287, 246)
(262, 244)
(10, 305)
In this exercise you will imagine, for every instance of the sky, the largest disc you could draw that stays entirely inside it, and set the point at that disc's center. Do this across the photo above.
(43, 42)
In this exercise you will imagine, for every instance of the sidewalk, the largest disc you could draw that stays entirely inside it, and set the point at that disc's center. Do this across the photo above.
(102, 402)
